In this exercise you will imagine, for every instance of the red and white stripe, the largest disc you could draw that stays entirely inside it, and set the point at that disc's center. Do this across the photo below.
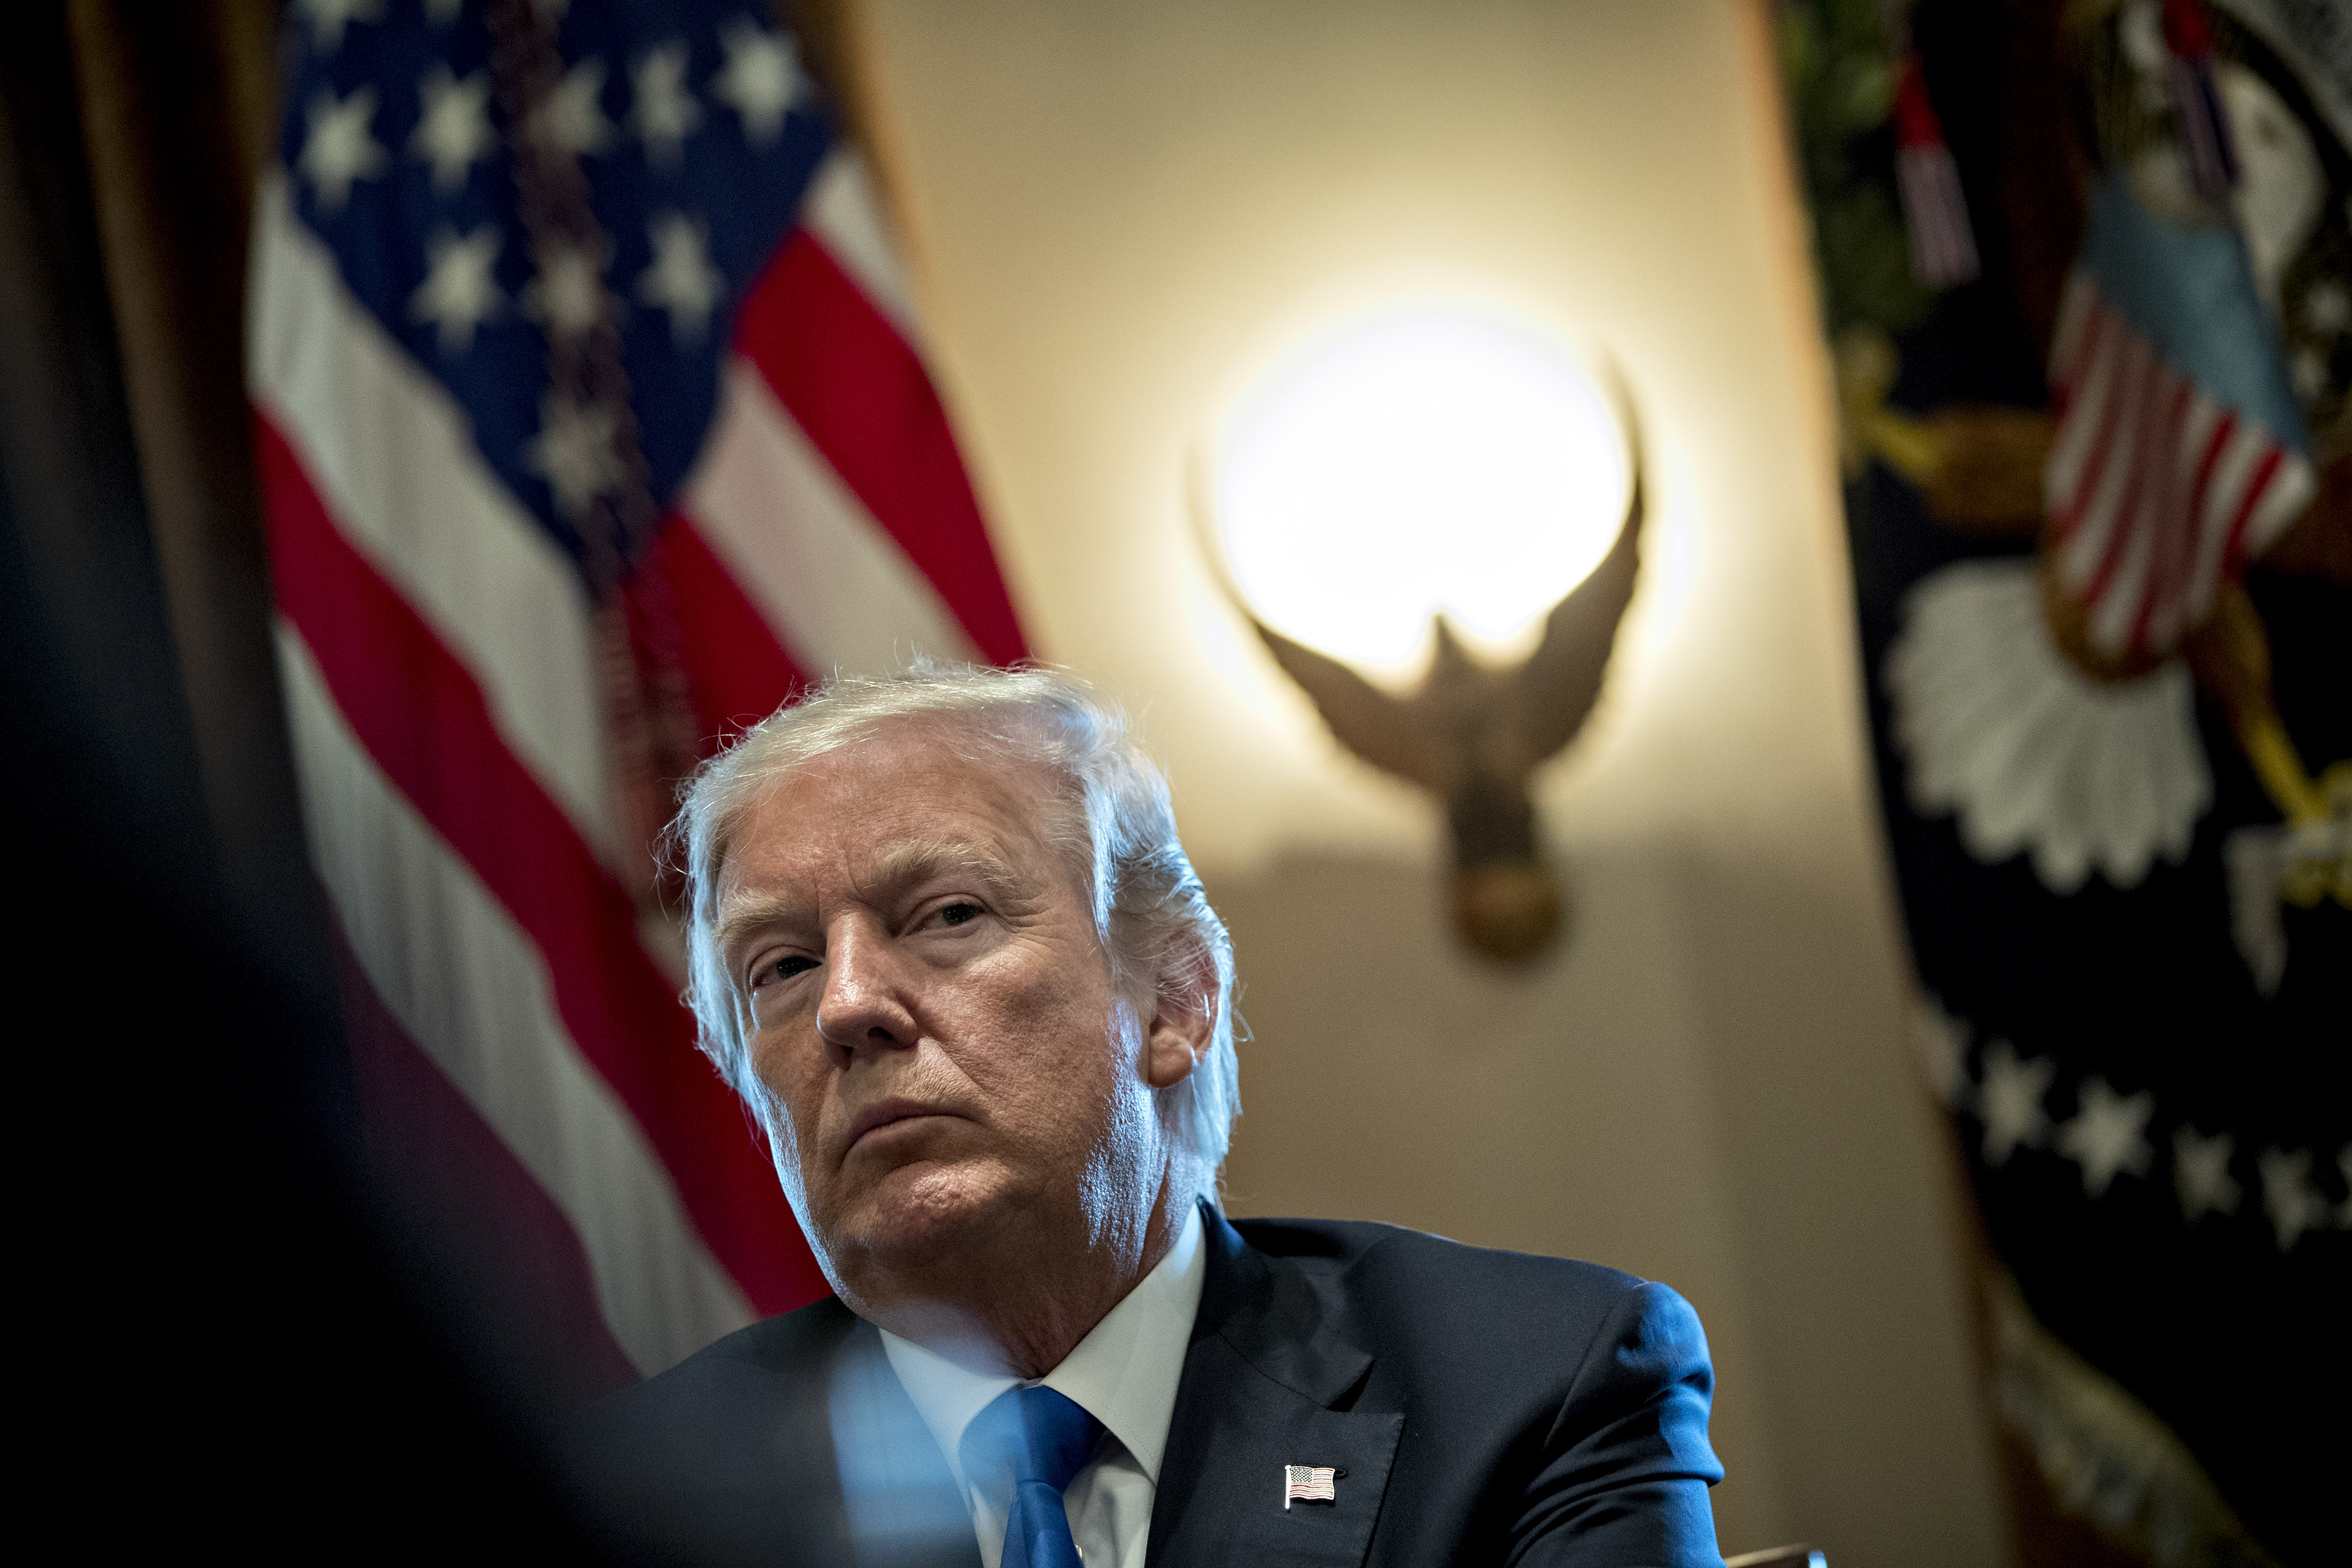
(1935, 206)
(2156, 491)
(513, 1030)
(1935, 215)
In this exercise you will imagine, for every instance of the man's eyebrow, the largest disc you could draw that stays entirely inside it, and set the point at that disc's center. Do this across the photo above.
(743, 913)
(904, 864)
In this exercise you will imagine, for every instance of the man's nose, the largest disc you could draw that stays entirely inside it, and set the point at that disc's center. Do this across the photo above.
(864, 1006)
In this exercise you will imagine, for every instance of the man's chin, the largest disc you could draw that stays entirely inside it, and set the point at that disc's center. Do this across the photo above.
(923, 1218)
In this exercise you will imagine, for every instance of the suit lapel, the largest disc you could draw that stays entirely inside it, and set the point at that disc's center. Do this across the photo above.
(1260, 1376)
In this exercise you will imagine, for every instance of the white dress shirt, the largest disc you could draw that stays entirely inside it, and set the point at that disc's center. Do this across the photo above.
(1123, 1373)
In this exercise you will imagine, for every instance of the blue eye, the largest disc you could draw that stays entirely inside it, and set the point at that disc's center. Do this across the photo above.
(957, 913)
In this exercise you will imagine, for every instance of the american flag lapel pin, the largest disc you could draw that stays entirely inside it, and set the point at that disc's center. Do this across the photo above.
(1308, 1483)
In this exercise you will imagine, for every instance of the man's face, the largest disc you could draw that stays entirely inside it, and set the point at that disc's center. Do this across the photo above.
(934, 1014)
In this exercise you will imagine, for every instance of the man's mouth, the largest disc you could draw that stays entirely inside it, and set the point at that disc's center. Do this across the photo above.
(884, 1115)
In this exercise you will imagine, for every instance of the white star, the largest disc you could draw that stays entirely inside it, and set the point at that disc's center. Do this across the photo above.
(664, 114)
(2288, 1195)
(2109, 1135)
(569, 119)
(459, 293)
(2011, 1100)
(454, 129)
(573, 453)
(329, 18)
(762, 77)
(1942, 1042)
(2309, 371)
(569, 294)
(2326, 308)
(338, 148)
(2200, 1174)
(681, 280)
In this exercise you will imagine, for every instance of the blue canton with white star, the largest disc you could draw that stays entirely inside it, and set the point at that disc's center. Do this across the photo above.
(698, 132)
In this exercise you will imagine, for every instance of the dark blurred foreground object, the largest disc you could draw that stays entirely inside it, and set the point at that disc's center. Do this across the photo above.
(2088, 269)
(236, 1340)
(232, 1344)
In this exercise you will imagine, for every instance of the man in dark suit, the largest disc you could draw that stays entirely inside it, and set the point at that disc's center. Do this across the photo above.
(947, 946)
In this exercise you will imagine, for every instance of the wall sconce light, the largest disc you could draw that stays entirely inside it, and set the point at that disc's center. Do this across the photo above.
(1434, 523)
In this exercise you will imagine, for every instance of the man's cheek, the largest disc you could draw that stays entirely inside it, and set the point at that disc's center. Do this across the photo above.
(781, 1112)
(784, 1146)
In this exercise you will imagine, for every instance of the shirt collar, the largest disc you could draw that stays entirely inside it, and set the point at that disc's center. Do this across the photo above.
(1124, 1373)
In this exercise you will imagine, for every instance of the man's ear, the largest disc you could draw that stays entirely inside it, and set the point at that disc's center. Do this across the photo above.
(1184, 1015)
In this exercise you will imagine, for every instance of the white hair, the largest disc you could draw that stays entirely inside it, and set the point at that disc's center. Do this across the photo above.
(1119, 834)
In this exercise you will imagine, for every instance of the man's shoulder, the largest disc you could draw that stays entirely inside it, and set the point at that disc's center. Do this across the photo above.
(743, 1371)
(726, 1453)
(1368, 1254)
(787, 1340)
(1454, 1310)
(1530, 1397)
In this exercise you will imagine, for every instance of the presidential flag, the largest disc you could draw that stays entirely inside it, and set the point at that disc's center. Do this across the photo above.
(2099, 498)
(592, 421)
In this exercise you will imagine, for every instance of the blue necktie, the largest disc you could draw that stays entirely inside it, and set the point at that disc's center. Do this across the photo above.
(1042, 1439)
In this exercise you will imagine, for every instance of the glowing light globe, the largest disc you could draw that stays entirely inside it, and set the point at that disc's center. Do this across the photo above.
(1424, 462)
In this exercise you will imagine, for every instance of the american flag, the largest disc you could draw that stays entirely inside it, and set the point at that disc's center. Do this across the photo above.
(590, 417)
(2180, 453)
(1935, 207)
(1308, 1483)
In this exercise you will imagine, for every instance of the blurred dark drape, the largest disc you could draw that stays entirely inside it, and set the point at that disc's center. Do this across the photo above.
(217, 1293)
(227, 1339)
(133, 135)
(76, 504)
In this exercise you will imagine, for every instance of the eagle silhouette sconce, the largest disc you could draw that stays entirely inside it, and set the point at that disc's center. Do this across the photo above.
(1472, 731)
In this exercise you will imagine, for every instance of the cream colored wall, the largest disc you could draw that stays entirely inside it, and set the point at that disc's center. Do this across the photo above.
(1122, 211)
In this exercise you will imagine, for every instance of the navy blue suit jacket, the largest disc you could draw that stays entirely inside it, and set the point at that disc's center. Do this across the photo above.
(1481, 1406)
